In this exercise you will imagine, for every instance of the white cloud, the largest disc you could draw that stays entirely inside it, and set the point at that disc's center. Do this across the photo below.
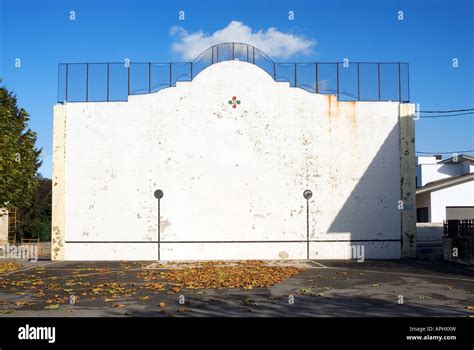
(274, 43)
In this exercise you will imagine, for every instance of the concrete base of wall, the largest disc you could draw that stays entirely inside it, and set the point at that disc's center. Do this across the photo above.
(429, 232)
(429, 241)
(233, 251)
(465, 249)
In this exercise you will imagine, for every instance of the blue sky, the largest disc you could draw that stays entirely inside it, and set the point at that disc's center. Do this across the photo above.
(432, 33)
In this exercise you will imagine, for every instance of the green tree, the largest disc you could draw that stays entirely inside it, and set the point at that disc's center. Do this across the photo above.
(19, 157)
(35, 221)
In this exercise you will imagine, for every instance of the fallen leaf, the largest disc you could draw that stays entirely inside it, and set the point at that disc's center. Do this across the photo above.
(176, 289)
(119, 305)
(154, 286)
(52, 307)
(7, 312)
(249, 301)
(162, 304)
(20, 303)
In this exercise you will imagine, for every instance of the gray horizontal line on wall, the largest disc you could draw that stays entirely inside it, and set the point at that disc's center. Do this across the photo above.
(288, 241)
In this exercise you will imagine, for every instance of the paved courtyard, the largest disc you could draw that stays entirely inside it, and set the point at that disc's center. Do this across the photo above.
(255, 288)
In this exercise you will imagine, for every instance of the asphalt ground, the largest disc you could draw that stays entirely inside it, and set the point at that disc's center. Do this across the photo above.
(373, 288)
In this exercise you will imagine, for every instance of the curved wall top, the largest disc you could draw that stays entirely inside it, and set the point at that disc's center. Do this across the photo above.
(350, 81)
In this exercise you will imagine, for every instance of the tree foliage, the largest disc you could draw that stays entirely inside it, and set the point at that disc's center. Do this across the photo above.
(35, 221)
(19, 157)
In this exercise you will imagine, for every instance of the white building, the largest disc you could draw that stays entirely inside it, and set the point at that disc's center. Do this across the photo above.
(445, 188)
(233, 151)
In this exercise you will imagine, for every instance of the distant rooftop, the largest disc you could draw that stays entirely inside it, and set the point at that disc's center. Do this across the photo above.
(458, 159)
(453, 180)
(436, 159)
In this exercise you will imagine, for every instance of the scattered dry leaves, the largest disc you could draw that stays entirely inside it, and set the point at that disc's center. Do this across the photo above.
(8, 266)
(243, 274)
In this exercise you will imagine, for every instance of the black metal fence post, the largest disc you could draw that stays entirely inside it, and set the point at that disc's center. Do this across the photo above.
(408, 82)
(87, 82)
(171, 74)
(296, 75)
(274, 71)
(399, 85)
(108, 80)
(149, 77)
(67, 80)
(129, 78)
(378, 68)
(59, 83)
(191, 70)
(358, 81)
(317, 78)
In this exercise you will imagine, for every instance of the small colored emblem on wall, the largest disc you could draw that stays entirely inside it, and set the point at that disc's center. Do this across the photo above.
(234, 102)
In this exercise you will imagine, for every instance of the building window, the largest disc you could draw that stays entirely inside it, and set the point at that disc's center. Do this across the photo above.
(422, 215)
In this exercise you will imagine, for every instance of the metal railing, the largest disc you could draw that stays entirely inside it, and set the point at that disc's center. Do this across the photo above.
(459, 228)
(349, 81)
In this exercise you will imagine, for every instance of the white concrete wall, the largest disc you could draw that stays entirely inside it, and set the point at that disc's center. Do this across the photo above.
(458, 195)
(231, 174)
(431, 172)
(429, 232)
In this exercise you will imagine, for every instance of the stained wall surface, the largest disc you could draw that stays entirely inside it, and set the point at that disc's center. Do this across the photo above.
(233, 178)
